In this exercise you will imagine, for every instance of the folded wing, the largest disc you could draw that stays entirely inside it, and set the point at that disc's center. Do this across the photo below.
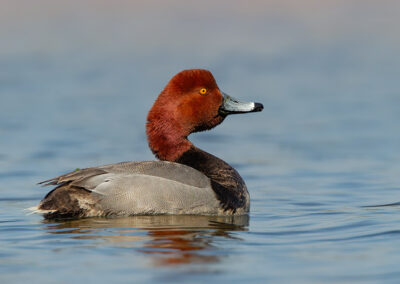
(132, 188)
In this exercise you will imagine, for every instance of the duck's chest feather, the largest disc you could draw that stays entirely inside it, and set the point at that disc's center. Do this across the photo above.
(226, 182)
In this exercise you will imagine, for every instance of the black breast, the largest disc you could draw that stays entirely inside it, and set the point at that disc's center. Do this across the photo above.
(226, 182)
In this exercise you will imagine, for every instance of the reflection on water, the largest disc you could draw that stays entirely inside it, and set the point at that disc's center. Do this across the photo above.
(169, 239)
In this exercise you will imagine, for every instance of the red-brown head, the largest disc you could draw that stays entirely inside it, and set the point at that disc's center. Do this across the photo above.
(190, 102)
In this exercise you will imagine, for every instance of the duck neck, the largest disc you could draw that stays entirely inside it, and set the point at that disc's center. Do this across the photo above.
(213, 167)
(167, 139)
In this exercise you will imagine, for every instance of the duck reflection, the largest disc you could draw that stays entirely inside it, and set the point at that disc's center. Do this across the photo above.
(169, 240)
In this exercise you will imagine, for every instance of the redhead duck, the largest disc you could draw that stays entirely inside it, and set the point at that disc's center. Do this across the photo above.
(186, 180)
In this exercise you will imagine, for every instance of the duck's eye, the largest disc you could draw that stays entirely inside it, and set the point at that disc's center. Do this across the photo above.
(203, 91)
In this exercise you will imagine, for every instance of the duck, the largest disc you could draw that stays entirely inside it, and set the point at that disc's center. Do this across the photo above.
(184, 181)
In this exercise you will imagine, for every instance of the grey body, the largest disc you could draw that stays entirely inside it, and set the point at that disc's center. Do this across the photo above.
(132, 188)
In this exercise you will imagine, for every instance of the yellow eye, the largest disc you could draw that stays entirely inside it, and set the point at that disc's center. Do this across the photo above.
(203, 91)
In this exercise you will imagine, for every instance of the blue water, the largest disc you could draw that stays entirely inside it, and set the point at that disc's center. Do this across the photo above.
(321, 161)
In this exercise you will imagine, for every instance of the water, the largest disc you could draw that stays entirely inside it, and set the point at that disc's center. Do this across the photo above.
(321, 161)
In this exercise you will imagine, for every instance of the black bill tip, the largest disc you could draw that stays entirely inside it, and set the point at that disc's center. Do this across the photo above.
(258, 107)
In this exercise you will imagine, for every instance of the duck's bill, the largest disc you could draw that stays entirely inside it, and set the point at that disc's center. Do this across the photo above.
(231, 105)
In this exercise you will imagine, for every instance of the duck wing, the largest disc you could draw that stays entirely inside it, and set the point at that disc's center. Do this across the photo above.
(169, 170)
(133, 188)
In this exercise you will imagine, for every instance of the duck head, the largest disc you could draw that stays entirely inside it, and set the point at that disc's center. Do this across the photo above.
(190, 102)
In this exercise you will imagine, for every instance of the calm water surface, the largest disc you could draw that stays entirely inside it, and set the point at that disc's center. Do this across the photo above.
(321, 161)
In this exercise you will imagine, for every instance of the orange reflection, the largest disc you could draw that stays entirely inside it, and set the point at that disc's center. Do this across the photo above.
(167, 240)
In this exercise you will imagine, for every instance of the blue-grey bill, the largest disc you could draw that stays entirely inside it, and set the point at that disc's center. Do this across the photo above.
(231, 105)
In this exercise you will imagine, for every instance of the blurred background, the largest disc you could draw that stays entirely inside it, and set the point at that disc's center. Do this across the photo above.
(78, 77)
